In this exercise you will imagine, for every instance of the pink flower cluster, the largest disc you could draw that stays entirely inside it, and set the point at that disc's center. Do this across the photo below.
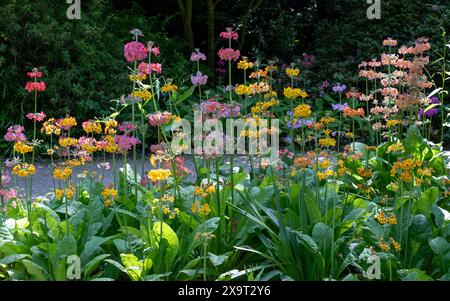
(159, 118)
(199, 79)
(229, 34)
(228, 54)
(149, 68)
(154, 51)
(35, 86)
(34, 74)
(125, 142)
(126, 127)
(212, 106)
(135, 51)
(37, 117)
(15, 134)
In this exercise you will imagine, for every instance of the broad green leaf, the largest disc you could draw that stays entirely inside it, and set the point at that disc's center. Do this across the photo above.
(36, 272)
(413, 275)
(92, 264)
(164, 231)
(426, 201)
(133, 266)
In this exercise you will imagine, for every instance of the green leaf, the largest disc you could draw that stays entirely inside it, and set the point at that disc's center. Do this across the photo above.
(66, 247)
(426, 201)
(217, 260)
(13, 258)
(36, 272)
(186, 94)
(413, 275)
(323, 236)
(92, 246)
(92, 264)
(132, 266)
(116, 265)
(440, 246)
(164, 231)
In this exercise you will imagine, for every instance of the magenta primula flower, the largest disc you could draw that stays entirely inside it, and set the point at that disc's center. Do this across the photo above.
(15, 134)
(149, 68)
(229, 34)
(135, 51)
(126, 127)
(125, 142)
(38, 117)
(159, 118)
(228, 54)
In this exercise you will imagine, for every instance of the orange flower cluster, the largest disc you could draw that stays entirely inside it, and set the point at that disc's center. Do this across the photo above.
(349, 112)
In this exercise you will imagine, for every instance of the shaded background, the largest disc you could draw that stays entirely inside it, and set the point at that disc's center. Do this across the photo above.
(83, 59)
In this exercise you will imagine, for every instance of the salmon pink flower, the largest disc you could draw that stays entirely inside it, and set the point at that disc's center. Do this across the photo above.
(35, 86)
(37, 117)
(228, 54)
(125, 142)
(229, 34)
(34, 73)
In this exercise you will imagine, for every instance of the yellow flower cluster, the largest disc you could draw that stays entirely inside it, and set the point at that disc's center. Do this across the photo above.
(22, 147)
(294, 93)
(270, 94)
(68, 192)
(92, 127)
(262, 106)
(164, 204)
(244, 64)
(62, 173)
(138, 77)
(426, 172)
(50, 127)
(342, 169)
(24, 170)
(74, 162)
(67, 142)
(156, 175)
(385, 246)
(322, 175)
(395, 148)
(327, 120)
(142, 94)
(302, 111)
(110, 127)
(392, 122)
(365, 173)
(327, 142)
(169, 88)
(68, 122)
(383, 219)
(252, 89)
(109, 194)
(292, 72)
(243, 90)
(204, 190)
(111, 146)
(405, 169)
(202, 210)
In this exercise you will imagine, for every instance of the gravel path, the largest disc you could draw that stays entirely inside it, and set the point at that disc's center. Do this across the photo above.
(43, 183)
